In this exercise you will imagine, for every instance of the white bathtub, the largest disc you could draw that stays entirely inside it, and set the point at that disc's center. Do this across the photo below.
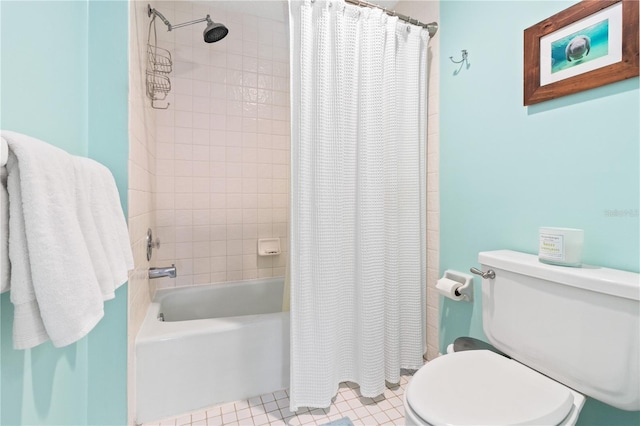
(218, 343)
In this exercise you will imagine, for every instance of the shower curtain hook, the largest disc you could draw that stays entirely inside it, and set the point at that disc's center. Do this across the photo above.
(385, 15)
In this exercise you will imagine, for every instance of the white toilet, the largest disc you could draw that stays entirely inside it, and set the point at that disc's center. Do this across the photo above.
(572, 332)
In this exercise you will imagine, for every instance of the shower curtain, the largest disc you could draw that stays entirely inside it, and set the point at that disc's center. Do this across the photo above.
(358, 218)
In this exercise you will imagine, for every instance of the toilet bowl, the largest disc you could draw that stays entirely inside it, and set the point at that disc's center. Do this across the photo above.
(484, 388)
(544, 317)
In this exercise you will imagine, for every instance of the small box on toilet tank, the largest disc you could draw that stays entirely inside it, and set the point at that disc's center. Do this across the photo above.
(561, 246)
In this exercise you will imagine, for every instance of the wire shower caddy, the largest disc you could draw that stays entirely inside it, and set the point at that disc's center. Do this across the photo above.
(159, 66)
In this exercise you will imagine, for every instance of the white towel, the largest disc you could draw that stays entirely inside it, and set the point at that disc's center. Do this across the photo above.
(4, 218)
(4, 231)
(102, 221)
(64, 242)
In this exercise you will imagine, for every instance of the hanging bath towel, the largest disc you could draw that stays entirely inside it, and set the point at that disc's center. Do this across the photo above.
(68, 242)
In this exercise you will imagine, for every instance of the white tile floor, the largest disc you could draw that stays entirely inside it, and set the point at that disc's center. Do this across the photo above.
(273, 409)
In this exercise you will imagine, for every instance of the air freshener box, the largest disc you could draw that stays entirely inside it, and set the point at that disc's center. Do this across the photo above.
(561, 246)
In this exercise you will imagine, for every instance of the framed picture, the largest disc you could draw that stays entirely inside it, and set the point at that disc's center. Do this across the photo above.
(590, 44)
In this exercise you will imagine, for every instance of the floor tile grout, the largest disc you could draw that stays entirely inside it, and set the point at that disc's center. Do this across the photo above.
(273, 410)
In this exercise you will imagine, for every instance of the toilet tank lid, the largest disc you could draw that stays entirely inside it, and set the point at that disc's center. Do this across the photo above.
(614, 282)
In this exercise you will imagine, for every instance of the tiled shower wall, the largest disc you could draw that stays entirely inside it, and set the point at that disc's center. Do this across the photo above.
(222, 159)
(141, 184)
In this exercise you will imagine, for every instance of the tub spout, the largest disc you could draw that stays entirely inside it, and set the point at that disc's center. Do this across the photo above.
(163, 272)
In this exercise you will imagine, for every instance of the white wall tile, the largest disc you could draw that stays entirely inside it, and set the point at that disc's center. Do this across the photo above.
(143, 136)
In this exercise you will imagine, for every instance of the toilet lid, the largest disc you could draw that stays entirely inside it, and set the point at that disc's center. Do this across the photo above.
(484, 388)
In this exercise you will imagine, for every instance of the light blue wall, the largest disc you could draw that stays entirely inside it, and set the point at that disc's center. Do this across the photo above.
(108, 82)
(64, 80)
(44, 71)
(507, 169)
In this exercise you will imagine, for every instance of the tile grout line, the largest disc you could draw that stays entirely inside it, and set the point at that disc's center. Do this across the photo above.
(361, 410)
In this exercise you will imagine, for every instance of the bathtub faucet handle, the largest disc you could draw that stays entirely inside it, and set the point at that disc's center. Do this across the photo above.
(155, 243)
(151, 243)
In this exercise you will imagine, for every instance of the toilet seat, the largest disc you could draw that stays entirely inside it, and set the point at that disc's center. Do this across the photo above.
(484, 388)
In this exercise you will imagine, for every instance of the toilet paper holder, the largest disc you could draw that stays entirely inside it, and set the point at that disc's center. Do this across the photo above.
(466, 289)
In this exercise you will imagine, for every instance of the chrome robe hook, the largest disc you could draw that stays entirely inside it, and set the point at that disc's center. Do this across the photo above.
(464, 58)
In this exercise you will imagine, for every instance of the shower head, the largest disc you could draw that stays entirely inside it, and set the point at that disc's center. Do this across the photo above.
(215, 31)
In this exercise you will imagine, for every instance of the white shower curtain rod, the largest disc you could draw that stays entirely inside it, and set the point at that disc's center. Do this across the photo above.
(431, 27)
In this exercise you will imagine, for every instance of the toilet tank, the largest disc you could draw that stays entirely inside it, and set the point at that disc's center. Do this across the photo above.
(579, 326)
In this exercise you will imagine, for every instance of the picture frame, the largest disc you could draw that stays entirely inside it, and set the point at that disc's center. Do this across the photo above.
(588, 45)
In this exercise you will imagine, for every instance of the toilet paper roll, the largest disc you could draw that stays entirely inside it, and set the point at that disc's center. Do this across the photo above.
(447, 288)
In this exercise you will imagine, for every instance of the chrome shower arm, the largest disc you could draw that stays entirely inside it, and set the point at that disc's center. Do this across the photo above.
(152, 11)
(184, 24)
(214, 31)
